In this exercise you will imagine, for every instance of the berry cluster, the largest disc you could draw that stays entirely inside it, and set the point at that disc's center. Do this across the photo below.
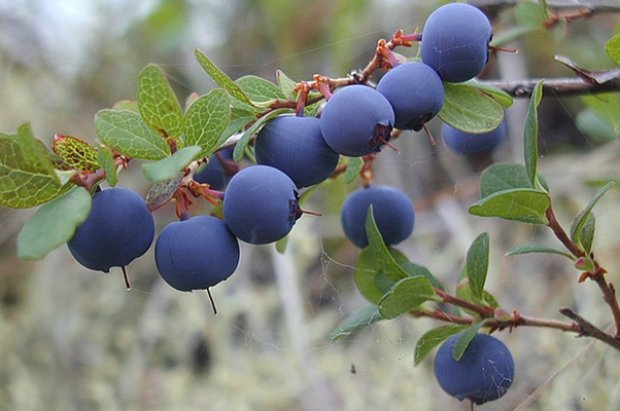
(260, 203)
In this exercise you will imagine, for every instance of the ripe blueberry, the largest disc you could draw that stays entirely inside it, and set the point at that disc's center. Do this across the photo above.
(295, 146)
(357, 120)
(214, 172)
(393, 212)
(261, 204)
(455, 41)
(118, 230)
(461, 142)
(484, 373)
(415, 92)
(196, 254)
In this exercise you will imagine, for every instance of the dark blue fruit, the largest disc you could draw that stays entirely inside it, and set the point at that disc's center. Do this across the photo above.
(461, 142)
(357, 120)
(484, 373)
(455, 41)
(197, 253)
(118, 230)
(261, 204)
(393, 212)
(415, 92)
(295, 146)
(213, 173)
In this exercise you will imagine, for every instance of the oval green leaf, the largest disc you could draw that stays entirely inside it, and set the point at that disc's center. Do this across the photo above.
(126, 132)
(469, 109)
(206, 119)
(170, 167)
(53, 224)
(157, 103)
(525, 205)
(356, 321)
(406, 295)
(477, 264)
(433, 338)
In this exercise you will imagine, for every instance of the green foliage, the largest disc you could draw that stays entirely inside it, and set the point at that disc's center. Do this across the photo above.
(126, 132)
(354, 166)
(358, 320)
(75, 153)
(469, 109)
(537, 248)
(530, 135)
(606, 107)
(530, 14)
(525, 204)
(170, 167)
(464, 339)
(221, 78)
(157, 103)
(206, 120)
(432, 339)
(53, 224)
(105, 158)
(582, 227)
(286, 85)
(27, 174)
(613, 49)
(370, 277)
(406, 295)
(259, 90)
(477, 264)
(504, 99)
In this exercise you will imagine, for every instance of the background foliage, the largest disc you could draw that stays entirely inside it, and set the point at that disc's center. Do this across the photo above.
(75, 340)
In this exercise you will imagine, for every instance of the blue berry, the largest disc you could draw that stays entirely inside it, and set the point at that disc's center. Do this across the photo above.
(393, 212)
(415, 92)
(118, 230)
(295, 146)
(261, 204)
(461, 142)
(484, 373)
(455, 41)
(214, 173)
(357, 120)
(196, 254)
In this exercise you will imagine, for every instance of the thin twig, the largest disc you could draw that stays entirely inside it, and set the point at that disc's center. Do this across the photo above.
(590, 330)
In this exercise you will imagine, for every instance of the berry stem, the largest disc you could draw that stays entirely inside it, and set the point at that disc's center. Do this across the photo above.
(126, 278)
(213, 307)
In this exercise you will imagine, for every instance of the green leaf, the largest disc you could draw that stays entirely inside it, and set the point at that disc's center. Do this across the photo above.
(258, 89)
(354, 167)
(582, 217)
(220, 78)
(406, 295)
(286, 85)
(511, 34)
(206, 119)
(157, 103)
(477, 264)
(255, 128)
(239, 119)
(530, 14)
(613, 49)
(416, 270)
(53, 224)
(501, 177)
(170, 167)
(380, 252)
(503, 98)
(606, 106)
(525, 205)
(536, 248)
(27, 176)
(130, 105)
(433, 338)
(359, 319)
(459, 348)
(126, 132)
(587, 234)
(469, 109)
(281, 244)
(105, 158)
(76, 153)
(530, 134)
(598, 130)
(370, 277)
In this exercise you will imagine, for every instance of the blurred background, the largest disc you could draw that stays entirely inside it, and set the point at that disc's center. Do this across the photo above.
(73, 339)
